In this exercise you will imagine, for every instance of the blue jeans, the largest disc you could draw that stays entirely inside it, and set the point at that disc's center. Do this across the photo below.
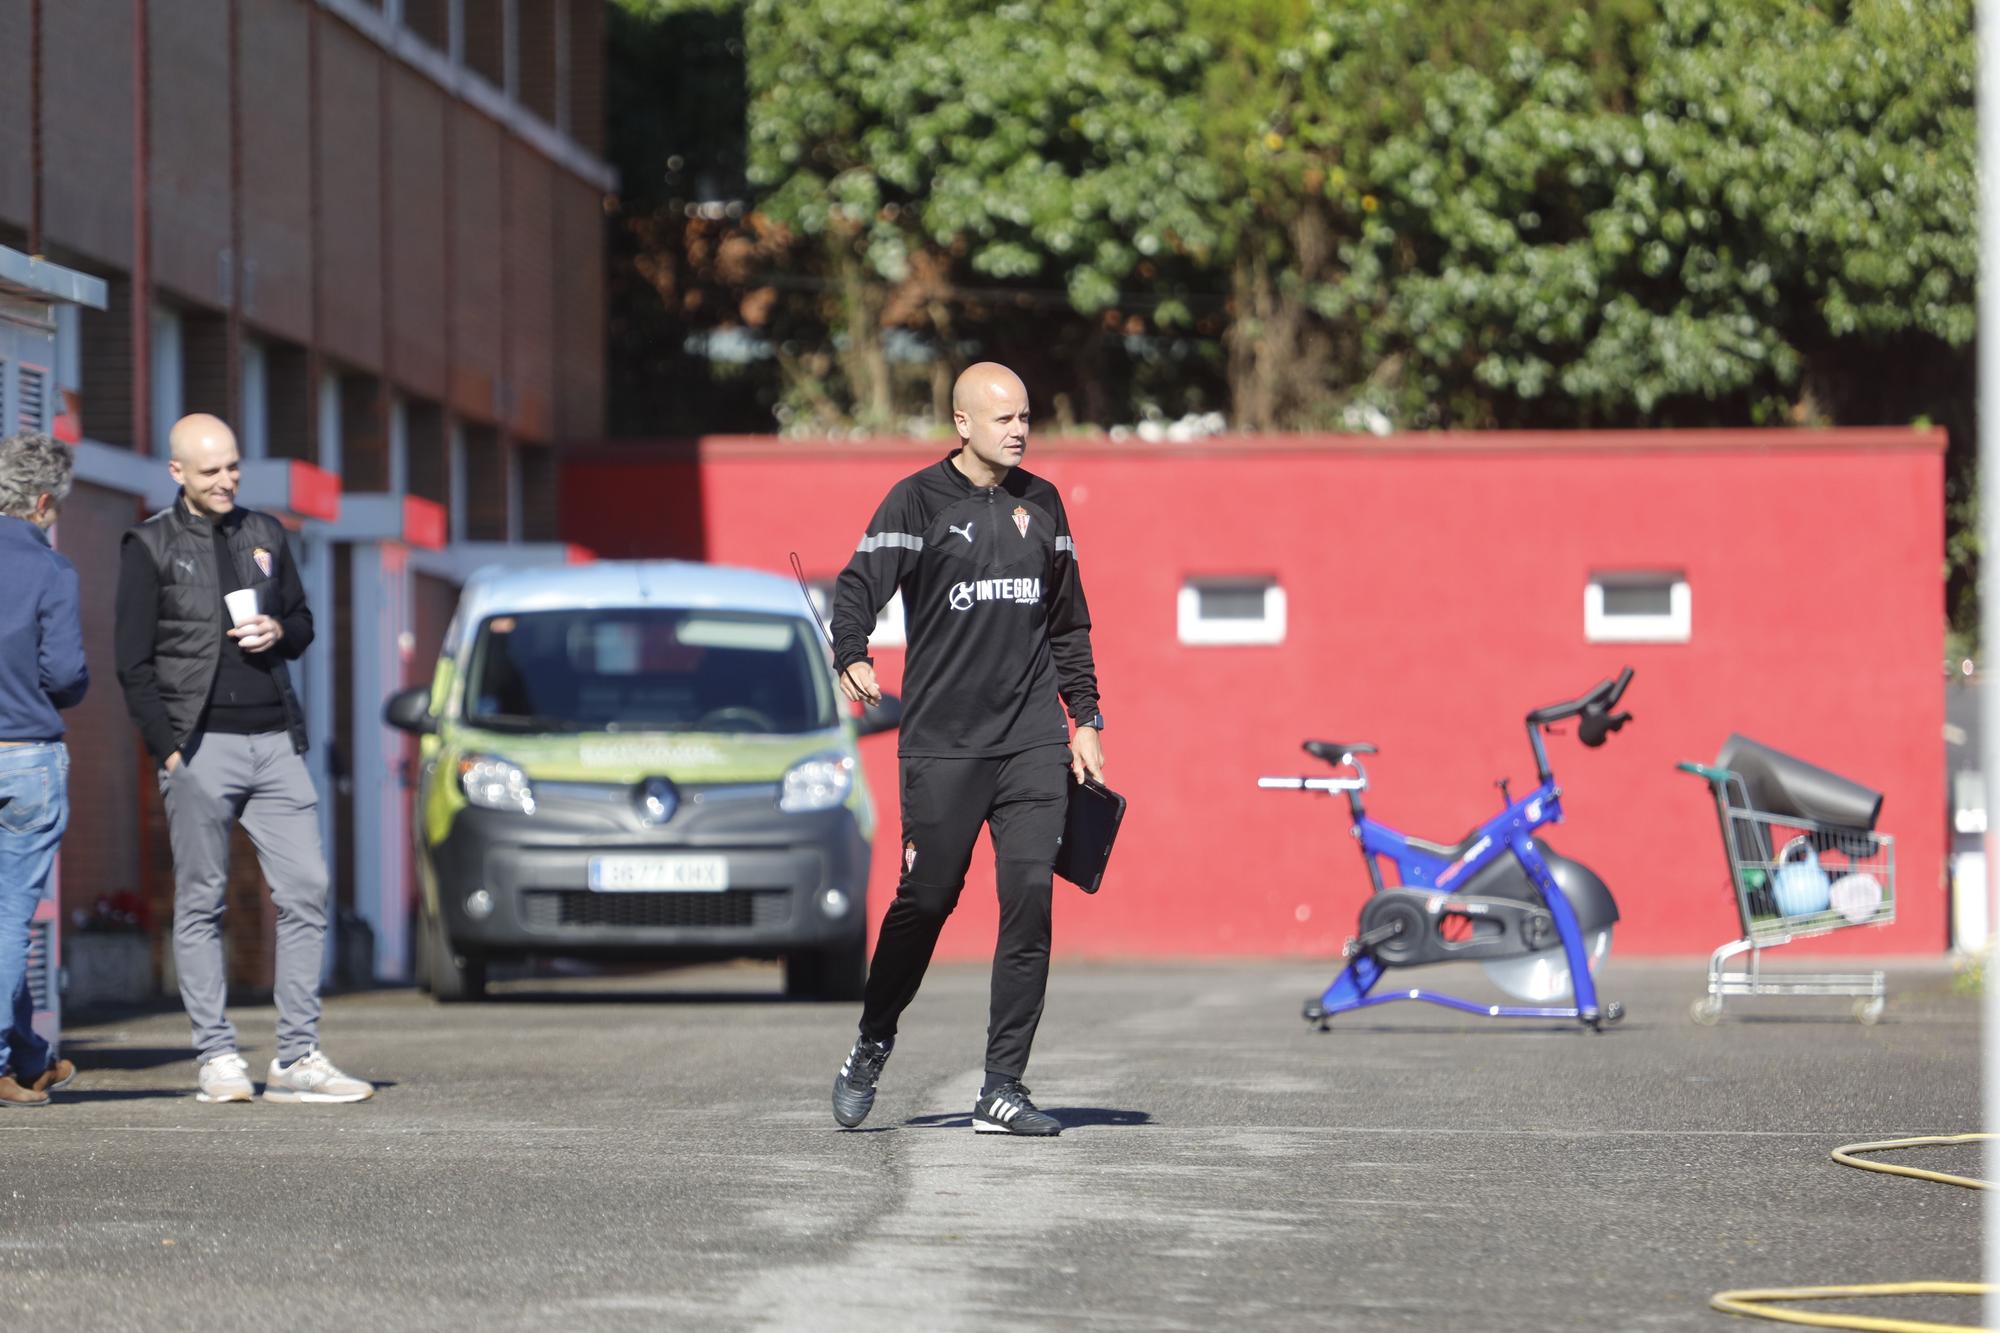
(34, 811)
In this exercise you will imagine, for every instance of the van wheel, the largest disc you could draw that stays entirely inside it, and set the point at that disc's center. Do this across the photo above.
(453, 976)
(838, 973)
(420, 951)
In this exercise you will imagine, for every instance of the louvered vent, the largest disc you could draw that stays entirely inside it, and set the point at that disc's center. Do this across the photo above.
(31, 400)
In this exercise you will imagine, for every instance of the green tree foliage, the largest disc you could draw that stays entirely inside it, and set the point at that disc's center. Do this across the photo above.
(1785, 179)
(952, 160)
(1535, 214)
(1360, 155)
(1481, 212)
(1467, 213)
(680, 266)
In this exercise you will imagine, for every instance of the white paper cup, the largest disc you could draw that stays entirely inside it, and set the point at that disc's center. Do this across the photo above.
(242, 605)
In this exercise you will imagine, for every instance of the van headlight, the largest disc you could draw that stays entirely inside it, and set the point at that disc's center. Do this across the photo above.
(494, 784)
(820, 782)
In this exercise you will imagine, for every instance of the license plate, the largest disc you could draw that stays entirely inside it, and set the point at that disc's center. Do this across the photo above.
(644, 874)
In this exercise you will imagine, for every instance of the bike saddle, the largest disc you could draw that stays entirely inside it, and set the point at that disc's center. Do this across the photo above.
(1333, 751)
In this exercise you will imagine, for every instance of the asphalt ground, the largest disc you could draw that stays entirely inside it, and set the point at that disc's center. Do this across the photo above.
(657, 1151)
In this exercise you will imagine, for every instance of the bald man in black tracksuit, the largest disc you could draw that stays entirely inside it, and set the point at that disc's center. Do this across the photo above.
(997, 630)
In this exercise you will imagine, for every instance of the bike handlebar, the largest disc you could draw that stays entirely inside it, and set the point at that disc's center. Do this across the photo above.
(1314, 784)
(1594, 706)
(1601, 697)
(1618, 690)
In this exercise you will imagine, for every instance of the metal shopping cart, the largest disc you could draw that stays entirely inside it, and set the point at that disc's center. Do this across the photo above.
(1804, 859)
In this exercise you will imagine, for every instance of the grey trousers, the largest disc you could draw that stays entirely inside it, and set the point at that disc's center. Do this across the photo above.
(262, 782)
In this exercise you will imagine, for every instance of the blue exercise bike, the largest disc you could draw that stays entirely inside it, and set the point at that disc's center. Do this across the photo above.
(1537, 921)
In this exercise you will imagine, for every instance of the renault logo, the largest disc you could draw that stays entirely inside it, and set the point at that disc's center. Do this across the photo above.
(657, 800)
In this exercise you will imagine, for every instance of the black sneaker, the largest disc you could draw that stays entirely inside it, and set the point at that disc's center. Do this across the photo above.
(854, 1086)
(1007, 1110)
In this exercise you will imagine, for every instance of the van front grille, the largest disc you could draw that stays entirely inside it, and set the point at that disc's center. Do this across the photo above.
(557, 909)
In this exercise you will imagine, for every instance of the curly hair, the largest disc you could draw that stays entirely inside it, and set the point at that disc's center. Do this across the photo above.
(32, 466)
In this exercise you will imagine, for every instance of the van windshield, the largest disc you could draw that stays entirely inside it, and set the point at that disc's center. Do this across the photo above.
(648, 670)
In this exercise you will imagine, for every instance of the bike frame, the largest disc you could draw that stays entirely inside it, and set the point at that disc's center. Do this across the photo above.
(1509, 833)
(1422, 865)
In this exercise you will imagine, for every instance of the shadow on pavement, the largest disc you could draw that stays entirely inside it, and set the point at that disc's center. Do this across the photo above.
(74, 1093)
(1753, 1018)
(90, 1054)
(1494, 1029)
(81, 1091)
(516, 995)
(1072, 1117)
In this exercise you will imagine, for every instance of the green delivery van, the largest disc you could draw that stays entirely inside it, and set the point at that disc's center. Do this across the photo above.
(638, 761)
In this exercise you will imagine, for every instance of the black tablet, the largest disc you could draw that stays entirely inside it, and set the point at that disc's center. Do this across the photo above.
(1088, 831)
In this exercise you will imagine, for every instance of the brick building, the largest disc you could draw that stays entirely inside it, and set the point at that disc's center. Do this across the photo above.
(369, 234)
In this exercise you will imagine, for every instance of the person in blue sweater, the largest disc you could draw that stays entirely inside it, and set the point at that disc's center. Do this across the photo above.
(42, 671)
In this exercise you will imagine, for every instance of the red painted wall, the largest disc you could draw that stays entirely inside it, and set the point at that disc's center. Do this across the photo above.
(1435, 589)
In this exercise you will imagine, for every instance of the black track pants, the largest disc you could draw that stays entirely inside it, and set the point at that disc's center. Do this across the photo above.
(1024, 798)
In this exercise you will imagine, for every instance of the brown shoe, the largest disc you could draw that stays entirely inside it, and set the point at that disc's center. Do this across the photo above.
(56, 1076)
(12, 1094)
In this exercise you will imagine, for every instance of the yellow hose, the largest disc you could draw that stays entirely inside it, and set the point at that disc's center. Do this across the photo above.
(1752, 1301)
(1747, 1302)
(1848, 1156)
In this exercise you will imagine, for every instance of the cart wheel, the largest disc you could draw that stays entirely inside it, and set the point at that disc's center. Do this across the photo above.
(1869, 1012)
(1614, 1012)
(1706, 1011)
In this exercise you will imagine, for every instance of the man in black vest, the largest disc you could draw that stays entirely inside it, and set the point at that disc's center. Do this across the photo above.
(207, 685)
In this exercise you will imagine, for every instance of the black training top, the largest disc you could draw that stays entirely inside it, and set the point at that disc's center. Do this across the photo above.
(993, 611)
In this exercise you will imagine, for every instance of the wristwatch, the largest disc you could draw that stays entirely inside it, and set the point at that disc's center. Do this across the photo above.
(1095, 722)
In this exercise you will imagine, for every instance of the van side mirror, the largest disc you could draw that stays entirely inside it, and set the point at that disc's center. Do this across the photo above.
(410, 710)
(885, 716)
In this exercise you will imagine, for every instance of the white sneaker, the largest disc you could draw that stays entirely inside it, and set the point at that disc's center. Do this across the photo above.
(312, 1078)
(224, 1078)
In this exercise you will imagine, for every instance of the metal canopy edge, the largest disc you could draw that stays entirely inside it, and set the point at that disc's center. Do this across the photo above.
(38, 279)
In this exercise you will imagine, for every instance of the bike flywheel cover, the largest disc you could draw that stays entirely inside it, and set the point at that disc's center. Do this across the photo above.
(1404, 912)
(1542, 977)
